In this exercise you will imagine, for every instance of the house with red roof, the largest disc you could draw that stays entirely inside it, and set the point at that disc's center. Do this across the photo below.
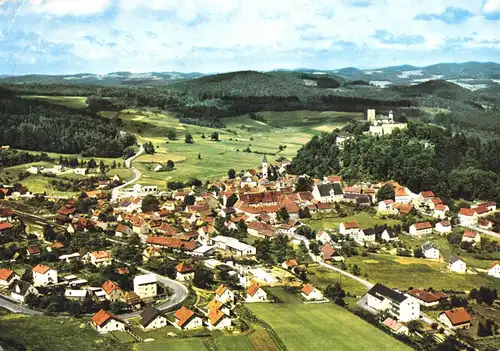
(5, 228)
(100, 258)
(6, 214)
(386, 205)
(402, 195)
(329, 253)
(44, 275)
(310, 293)
(467, 216)
(490, 205)
(421, 228)
(470, 236)
(494, 269)
(458, 318)
(485, 224)
(443, 227)
(113, 291)
(395, 326)
(255, 293)
(440, 211)
(186, 319)
(427, 298)
(105, 322)
(289, 264)
(223, 294)
(351, 228)
(218, 315)
(184, 271)
(7, 277)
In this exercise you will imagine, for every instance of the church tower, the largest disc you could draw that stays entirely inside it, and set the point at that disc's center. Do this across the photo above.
(264, 167)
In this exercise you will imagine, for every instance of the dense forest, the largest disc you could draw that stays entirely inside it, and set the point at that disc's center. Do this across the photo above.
(422, 157)
(41, 126)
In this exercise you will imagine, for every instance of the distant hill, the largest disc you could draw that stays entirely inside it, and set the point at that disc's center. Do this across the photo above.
(439, 88)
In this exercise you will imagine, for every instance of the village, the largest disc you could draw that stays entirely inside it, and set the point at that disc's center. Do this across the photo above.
(192, 258)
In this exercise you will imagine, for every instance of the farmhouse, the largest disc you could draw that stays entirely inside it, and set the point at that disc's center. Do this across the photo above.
(421, 228)
(430, 250)
(494, 269)
(310, 293)
(145, 286)
(223, 294)
(20, 289)
(187, 319)
(427, 299)
(328, 193)
(7, 277)
(471, 237)
(456, 319)
(255, 293)
(404, 307)
(43, 275)
(113, 291)
(152, 318)
(467, 216)
(457, 265)
(443, 227)
(395, 326)
(105, 322)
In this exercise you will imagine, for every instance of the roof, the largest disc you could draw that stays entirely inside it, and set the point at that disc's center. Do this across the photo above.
(427, 194)
(291, 262)
(328, 251)
(101, 317)
(145, 279)
(466, 212)
(427, 296)
(109, 286)
(5, 274)
(182, 267)
(487, 204)
(458, 316)
(352, 189)
(99, 255)
(307, 289)
(252, 289)
(403, 208)
(33, 250)
(215, 316)
(40, 268)
(122, 270)
(183, 315)
(379, 290)
(131, 298)
(441, 207)
(351, 225)
(325, 189)
(445, 224)
(423, 225)
(393, 324)
(401, 191)
(149, 314)
(470, 234)
(494, 264)
(5, 226)
(429, 245)
(481, 209)
(23, 287)
(454, 259)
(220, 290)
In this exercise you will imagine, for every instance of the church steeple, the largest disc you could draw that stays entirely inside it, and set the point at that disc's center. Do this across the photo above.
(264, 167)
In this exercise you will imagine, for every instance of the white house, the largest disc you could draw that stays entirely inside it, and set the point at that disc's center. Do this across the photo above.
(105, 322)
(494, 269)
(255, 293)
(113, 292)
(7, 277)
(218, 320)
(184, 272)
(381, 298)
(430, 250)
(349, 228)
(152, 318)
(427, 298)
(20, 289)
(443, 227)
(328, 192)
(440, 211)
(187, 319)
(402, 195)
(458, 318)
(467, 216)
(421, 228)
(146, 286)
(240, 249)
(101, 258)
(457, 265)
(43, 275)
(323, 236)
(81, 171)
(386, 205)
(223, 294)
(310, 293)
(471, 237)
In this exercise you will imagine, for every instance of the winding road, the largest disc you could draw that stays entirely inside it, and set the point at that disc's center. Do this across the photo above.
(14, 307)
(484, 231)
(137, 174)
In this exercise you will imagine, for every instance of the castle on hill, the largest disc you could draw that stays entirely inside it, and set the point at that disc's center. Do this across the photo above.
(383, 124)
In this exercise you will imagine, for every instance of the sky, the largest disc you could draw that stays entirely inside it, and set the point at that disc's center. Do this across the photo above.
(102, 36)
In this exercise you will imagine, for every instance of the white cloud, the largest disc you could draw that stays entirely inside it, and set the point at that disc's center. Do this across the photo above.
(491, 6)
(68, 7)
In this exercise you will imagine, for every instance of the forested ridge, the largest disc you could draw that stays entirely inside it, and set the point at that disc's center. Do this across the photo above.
(423, 157)
(41, 126)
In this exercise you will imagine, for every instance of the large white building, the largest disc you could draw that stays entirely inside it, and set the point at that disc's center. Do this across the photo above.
(146, 285)
(43, 275)
(404, 307)
(430, 250)
(328, 192)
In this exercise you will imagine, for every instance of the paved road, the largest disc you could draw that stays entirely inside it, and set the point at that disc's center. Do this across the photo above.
(137, 174)
(16, 308)
(180, 292)
(484, 231)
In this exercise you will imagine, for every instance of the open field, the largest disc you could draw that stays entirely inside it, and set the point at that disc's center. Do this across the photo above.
(290, 129)
(365, 220)
(322, 327)
(321, 277)
(405, 272)
(68, 101)
(222, 343)
(52, 333)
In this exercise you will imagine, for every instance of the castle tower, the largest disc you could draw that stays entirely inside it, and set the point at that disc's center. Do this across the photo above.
(370, 115)
(264, 167)
(391, 116)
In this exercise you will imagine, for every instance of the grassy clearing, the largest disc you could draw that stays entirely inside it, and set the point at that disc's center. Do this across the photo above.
(53, 333)
(404, 272)
(125, 174)
(322, 327)
(229, 343)
(365, 220)
(78, 102)
(172, 344)
(261, 341)
(321, 277)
